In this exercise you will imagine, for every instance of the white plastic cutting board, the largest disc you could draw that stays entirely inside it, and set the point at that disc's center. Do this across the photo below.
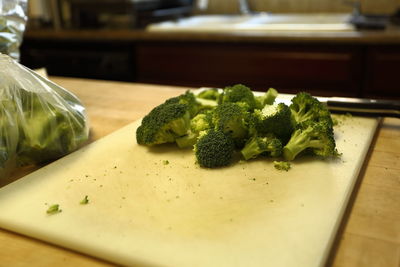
(142, 210)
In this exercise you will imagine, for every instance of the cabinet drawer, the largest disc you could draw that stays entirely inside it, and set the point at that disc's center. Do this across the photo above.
(323, 70)
(90, 61)
(383, 72)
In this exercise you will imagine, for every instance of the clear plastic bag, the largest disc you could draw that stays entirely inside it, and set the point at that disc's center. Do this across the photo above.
(39, 120)
(13, 17)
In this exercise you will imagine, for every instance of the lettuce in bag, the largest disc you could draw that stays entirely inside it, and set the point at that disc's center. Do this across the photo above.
(39, 120)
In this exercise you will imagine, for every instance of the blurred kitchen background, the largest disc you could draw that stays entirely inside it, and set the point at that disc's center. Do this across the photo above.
(325, 47)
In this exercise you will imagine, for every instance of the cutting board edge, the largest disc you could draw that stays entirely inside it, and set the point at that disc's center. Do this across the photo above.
(339, 222)
(55, 240)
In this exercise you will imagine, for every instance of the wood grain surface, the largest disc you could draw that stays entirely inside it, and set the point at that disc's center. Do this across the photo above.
(370, 233)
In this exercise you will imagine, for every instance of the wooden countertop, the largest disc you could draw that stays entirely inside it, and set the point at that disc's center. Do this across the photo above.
(391, 35)
(370, 233)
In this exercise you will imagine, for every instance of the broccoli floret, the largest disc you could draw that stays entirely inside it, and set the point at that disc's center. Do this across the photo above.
(164, 124)
(210, 94)
(260, 145)
(315, 137)
(232, 119)
(189, 99)
(168, 121)
(214, 149)
(268, 98)
(282, 165)
(305, 107)
(274, 119)
(45, 130)
(200, 122)
(239, 94)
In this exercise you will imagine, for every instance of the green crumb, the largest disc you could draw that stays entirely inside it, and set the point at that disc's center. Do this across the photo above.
(335, 121)
(84, 201)
(53, 209)
(348, 115)
(165, 162)
(282, 165)
(338, 119)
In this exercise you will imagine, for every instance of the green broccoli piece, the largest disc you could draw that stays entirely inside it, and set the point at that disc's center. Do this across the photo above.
(84, 201)
(268, 98)
(210, 94)
(257, 145)
(282, 165)
(46, 131)
(53, 209)
(200, 122)
(188, 140)
(314, 137)
(274, 119)
(305, 107)
(188, 99)
(232, 119)
(206, 104)
(239, 94)
(214, 149)
(339, 119)
(168, 121)
(8, 133)
(164, 124)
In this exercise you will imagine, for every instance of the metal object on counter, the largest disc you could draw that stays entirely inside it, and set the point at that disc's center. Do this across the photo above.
(125, 13)
(12, 26)
(360, 106)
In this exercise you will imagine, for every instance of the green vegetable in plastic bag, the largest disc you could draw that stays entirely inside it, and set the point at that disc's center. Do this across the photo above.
(39, 120)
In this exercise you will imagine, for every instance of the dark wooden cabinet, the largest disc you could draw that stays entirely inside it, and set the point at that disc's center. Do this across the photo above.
(96, 60)
(383, 72)
(321, 68)
(325, 70)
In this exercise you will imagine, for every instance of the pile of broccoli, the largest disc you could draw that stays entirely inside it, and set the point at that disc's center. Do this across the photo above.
(219, 124)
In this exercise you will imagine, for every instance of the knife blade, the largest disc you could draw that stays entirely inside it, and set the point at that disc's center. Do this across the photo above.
(363, 106)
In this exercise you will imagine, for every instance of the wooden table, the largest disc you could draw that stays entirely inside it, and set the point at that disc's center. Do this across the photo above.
(370, 233)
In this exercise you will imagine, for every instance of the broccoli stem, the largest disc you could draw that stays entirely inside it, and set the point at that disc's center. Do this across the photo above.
(251, 149)
(187, 140)
(299, 141)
